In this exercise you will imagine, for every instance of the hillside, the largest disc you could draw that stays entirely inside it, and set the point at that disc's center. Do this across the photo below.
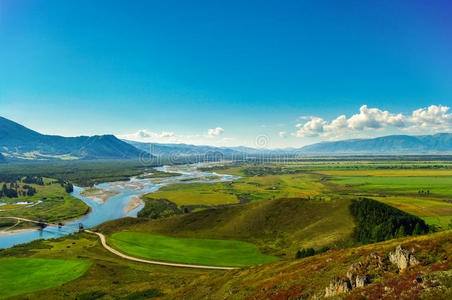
(277, 227)
(393, 144)
(373, 271)
(19, 142)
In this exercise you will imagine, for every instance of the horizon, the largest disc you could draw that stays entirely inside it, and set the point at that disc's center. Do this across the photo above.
(258, 74)
(261, 147)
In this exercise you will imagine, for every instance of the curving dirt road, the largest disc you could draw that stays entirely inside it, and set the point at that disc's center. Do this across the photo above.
(116, 252)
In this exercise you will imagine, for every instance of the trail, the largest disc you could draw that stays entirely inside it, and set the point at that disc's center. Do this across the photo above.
(116, 252)
(122, 255)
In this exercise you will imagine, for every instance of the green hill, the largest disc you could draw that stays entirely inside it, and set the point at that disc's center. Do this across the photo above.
(278, 227)
(19, 142)
(428, 276)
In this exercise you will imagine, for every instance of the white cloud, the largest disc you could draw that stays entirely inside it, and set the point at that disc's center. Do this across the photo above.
(312, 128)
(374, 118)
(214, 132)
(433, 118)
(283, 134)
(145, 135)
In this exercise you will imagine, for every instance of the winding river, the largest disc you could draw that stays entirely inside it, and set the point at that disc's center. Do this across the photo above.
(114, 208)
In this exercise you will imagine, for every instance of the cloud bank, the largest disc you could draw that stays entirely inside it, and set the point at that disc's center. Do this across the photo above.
(432, 118)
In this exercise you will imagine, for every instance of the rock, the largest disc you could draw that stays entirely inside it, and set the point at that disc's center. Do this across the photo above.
(373, 255)
(337, 286)
(355, 266)
(413, 260)
(402, 258)
(361, 281)
(350, 276)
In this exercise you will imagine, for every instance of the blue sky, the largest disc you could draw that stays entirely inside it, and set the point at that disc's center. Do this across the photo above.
(227, 72)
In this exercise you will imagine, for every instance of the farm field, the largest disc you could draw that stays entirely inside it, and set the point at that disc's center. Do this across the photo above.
(424, 193)
(24, 275)
(432, 185)
(243, 190)
(228, 253)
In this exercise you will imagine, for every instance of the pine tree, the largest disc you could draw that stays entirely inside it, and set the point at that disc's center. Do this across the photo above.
(400, 232)
(417, 229)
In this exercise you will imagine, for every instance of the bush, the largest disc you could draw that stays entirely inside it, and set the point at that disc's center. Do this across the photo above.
(91, 295)
(146, 294)
(309, 252)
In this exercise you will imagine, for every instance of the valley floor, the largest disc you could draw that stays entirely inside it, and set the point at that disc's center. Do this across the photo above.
(260, 223)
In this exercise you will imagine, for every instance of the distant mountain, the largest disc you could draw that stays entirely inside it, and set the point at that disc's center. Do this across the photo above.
(392, 144)
(440, 143)
(19, 142)
(183, 149)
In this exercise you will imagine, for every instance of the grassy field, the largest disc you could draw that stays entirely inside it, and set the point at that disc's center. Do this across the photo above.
(56, 205)
(195, 194)
(307, 278)
(433, 185)
(113, 277)
(424, 193)
(246, 189)
(24, 275)
(278, 227)
(109, 275)
(189, 250)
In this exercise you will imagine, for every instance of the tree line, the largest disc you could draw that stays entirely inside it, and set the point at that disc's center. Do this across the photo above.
(376, 222)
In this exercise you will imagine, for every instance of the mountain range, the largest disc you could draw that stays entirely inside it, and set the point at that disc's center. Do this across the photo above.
(440, 143)
(20, 143)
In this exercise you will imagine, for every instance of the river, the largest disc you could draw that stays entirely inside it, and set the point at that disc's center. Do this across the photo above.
(114, 207)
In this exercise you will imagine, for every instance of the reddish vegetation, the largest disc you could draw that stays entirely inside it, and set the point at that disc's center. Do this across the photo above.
(308, 277)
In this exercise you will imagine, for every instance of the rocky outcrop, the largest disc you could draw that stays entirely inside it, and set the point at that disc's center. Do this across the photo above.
(361, 281)
(402, 258)
(337, 286)
(362, 273)
(356, 277)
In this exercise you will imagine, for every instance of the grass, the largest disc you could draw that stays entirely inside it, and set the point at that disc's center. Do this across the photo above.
(278, 227)
(189, 250)
(195, 194)
(24, 275)
(436, 185)
(439, 221)
(307, 278)
(109, 275)
(424, 193)
(56, 205)
(246, 189)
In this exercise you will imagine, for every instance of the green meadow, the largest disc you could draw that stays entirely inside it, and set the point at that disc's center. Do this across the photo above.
(24, 275)
(228, 253)
(437, 185)
(55, 204)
